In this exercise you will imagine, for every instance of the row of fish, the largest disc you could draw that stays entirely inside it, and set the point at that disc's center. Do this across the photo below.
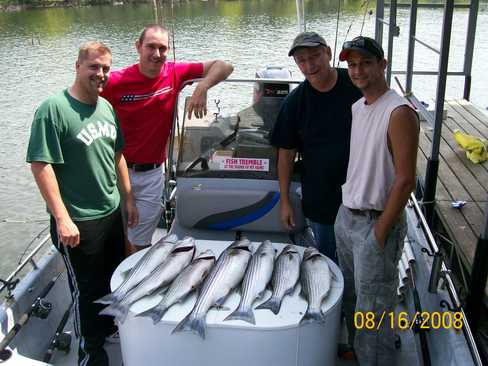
(167, 267)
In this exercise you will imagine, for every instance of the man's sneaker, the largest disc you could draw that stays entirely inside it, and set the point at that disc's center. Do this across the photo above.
(346, 352)
(113, 338)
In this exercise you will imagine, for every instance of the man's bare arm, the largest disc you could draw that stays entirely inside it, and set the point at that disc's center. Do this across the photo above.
(126, 189)
(213, 73)
(403, 136)
(286, 159)
(68, 232)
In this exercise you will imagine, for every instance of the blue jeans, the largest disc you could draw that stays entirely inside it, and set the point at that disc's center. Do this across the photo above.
(325, 239)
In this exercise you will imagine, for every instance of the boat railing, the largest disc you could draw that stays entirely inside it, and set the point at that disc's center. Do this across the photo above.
(440, 270)
(11, 281)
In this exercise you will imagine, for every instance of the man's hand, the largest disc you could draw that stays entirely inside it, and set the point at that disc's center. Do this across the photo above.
(132, 213)
(286, 213)
(68, 232)
(198, 101)
(380, 235)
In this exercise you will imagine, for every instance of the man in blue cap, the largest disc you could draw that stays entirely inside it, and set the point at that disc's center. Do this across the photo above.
(315, 121)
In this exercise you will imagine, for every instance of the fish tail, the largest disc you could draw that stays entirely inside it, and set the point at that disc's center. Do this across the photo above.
(156, 314)
(107, 299)
(190, 322)
(313, 316)
(273, 304)
(118, 309)
(242, 314)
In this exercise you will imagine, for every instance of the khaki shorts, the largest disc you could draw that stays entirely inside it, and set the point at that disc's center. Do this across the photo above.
(147, 188)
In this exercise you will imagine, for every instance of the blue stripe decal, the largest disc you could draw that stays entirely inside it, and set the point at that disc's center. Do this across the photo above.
(246, 219)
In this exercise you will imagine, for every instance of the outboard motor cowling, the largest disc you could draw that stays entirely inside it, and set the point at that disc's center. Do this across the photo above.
(268, 96)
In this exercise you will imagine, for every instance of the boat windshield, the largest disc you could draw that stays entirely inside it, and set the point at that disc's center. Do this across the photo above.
(233, 140)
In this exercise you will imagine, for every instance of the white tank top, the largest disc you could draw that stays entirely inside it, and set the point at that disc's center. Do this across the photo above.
(370, 173)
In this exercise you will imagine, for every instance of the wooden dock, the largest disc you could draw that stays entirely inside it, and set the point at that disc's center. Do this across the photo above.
(459, 178)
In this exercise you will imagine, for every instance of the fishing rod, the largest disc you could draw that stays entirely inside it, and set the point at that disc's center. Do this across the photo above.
(39, 309)
(418, 320)
(60, 340)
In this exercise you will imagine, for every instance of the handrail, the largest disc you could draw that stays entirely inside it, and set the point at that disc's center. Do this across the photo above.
(451, 289)
(26, 260)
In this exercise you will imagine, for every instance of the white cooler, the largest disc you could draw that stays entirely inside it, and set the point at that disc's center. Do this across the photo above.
(275, 339)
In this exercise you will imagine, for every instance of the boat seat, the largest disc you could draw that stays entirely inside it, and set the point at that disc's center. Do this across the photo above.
(234, 209)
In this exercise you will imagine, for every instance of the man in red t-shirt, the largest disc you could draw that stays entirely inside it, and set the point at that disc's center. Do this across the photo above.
(144, 97)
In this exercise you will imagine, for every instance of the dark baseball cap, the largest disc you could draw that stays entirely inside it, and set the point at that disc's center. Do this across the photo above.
(362, 44)
(306, 39)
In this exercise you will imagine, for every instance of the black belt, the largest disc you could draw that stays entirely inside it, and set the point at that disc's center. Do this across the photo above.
(142, 167)
(373, 213)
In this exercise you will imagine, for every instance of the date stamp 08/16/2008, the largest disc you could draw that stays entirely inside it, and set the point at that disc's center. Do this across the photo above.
(402, 320)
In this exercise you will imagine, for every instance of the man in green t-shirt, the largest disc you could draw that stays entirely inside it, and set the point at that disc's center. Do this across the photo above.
(75, 154)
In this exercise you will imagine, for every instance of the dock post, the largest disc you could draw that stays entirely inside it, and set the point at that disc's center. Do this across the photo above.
(411, 46)
(468, 56)
(392, 32)
(433, 162)
(479, 274)
(380, 14)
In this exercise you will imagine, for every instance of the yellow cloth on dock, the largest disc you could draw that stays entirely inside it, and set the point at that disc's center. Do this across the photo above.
(475, 147)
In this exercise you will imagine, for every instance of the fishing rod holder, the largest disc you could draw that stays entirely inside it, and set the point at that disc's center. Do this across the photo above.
(10, 286)
(62, 342)
(445, 304)
(41, 308)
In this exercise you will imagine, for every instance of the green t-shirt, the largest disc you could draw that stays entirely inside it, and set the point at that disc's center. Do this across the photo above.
(79, 140)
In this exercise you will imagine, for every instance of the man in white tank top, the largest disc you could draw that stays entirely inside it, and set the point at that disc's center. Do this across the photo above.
(370, 226)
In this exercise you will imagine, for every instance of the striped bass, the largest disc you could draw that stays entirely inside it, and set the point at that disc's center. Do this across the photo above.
(225, 275)
(156, 254)
(285, 278)
(162, 276)
(257, 277)
(190, 279)
(315, 279)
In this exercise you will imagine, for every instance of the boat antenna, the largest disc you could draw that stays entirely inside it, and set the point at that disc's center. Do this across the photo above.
(337, 31)
(364, 16)
(365, 5)
(173, 46)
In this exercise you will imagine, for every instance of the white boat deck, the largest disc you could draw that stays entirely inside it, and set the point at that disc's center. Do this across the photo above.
(407, 355)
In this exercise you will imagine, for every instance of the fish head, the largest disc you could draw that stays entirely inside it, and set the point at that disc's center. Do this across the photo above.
(240, 246)
(266, 248)
(206, 255)
(184, 246)
(311, 252)
(291, 251)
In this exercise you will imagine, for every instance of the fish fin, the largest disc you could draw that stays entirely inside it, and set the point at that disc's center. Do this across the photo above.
(333, 276)
(118, 310)
(125, 272)
(244, 315)
(219, 304)
(313, 316)
(196, 325)
(261, 295)
(107, 299)
(273, 304)
(156, 314)
(294, 289)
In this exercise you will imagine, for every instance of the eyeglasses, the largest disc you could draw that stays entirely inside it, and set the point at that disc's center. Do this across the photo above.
(362, 42)
(356, 42)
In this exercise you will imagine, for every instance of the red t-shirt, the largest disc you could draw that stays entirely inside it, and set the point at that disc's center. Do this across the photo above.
(145, 107)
